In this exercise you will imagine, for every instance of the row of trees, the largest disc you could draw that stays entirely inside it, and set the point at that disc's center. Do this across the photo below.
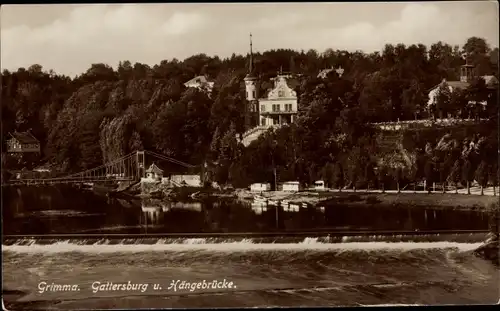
(105, 113)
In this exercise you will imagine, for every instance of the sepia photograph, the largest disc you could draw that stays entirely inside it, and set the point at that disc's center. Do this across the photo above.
(249, 155)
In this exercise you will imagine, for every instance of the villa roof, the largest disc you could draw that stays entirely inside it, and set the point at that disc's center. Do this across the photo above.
(198, 79)
(250, 76)
(324, 73)
(24, 137)
(491, 81)
(154, 169)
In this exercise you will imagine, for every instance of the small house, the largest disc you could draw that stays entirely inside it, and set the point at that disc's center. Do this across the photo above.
(292, 186)
(184, 180)
(201, 83)
(259, 187)
(22, 142)
(323, 74)
(154, 172)
(319, 185)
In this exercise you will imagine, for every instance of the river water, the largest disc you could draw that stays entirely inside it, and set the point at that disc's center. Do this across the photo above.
(311, 270)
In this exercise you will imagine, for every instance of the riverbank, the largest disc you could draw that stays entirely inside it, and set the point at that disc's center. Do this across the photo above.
(415, 200)
(419, 199)
(390, 199)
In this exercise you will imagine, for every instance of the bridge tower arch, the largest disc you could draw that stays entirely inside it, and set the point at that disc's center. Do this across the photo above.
(140, 164)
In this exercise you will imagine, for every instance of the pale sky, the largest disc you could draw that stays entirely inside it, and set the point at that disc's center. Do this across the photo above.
(69, 38)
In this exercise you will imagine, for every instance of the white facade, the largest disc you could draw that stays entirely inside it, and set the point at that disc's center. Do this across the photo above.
(258, 187)
(433, 95)
(292, 186)
(201, 83)
(319, 185)
(188, 180)
(251, 88)
(280, 106)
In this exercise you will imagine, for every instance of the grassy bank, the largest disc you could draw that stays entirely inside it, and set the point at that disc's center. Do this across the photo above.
(417, 200)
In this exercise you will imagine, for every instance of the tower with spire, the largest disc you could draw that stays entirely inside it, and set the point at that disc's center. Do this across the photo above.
(251, 86)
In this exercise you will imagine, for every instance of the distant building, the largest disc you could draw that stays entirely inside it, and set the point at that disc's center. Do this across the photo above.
(154, 172)
(467, 75)
(324, 73)
(259, 187)
(22, 142)
(292, 186)
(184, 180)
(201, 83)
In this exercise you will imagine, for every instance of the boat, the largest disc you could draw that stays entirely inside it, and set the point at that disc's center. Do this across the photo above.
(273, 202)
(261, 200)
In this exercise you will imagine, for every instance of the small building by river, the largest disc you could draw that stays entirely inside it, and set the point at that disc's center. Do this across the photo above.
(154, 173)
(259, 187)
(292, 186)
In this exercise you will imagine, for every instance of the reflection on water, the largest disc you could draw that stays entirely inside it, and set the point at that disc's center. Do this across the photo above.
(66, 210)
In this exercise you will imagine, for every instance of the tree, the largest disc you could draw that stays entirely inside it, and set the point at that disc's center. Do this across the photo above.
(339, 176)
(429, 174)
(455, 174)
(369, 175)
(482, 175)
(398, 176)
(467, 173)
(328, 174)
(443, 100)
(494, 174)
(458, 102)
(382, 177)
(476, 50)
(443, 174)
(476, 94)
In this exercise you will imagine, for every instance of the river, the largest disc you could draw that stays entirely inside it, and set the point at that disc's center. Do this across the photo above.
(311, 270)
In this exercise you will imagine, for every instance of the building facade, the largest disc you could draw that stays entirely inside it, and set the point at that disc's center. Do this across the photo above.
(201, 83)
(279, 107)
(467, 75)
(23, 142)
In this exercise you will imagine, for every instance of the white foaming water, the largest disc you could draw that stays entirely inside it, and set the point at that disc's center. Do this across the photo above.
(236, 246)
(392, 305)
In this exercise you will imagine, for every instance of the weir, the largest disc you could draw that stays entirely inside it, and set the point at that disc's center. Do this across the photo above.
(404, 235)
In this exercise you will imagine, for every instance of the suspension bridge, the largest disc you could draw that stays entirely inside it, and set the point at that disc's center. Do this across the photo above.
(128, 168)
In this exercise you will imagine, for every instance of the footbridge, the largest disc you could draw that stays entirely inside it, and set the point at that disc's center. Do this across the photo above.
(128, 168)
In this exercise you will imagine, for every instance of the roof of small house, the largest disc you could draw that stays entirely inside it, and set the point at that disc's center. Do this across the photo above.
(154, 169)
(198, 79)
(491, 81)
(24, 137)
(323, 73)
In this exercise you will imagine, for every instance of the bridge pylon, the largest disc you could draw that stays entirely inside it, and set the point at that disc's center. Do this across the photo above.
(141, 166)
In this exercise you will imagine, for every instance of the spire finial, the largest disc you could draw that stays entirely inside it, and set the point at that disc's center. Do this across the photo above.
(250, 69)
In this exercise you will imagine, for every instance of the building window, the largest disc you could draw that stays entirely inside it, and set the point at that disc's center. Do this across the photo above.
(276, 121)
(277, 107)
(262, 121)
(248, 94)
(281, 93)
(254, 94)
(262, 108)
